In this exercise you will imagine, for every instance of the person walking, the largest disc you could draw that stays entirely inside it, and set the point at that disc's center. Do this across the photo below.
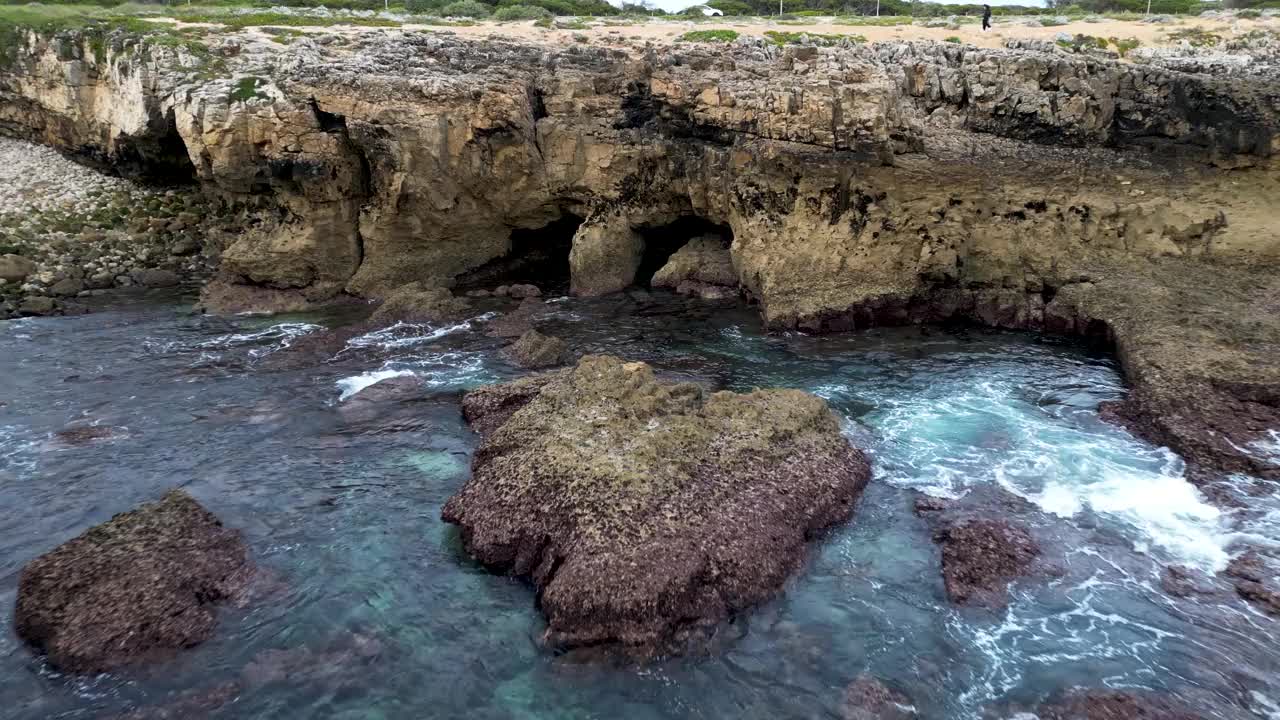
(986, 18)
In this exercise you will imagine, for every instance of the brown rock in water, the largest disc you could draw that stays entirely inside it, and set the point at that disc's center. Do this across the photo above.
(703, 260)
(1115, 705)
(132, 589)
(488, 407)
(647, 512)
(515, 323)
(867, 698)
(1257, 579)
(420, 302)
(980, 557)
(535, 350)
(524, 291)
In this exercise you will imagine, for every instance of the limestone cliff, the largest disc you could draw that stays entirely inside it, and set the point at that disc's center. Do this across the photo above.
(858, 185)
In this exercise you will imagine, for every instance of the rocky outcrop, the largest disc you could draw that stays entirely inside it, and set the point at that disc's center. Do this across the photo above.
(704, 260)
(421, 303)
(647, 512)
(133, 589)
(1115, 705)
(981, 556)
(880, 184)
(534, 350)
(1256, 577)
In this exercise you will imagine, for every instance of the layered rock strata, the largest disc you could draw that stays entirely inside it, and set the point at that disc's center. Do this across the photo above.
(891, 183)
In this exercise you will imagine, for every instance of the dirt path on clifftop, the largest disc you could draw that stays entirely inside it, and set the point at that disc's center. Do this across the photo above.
(1150, 34)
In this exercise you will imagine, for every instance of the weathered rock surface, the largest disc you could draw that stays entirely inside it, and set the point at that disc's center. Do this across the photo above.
(516, 323)
(877, 184)
(420, 302)
(645, 512)
(15, 268)
(981, 556)
(133, 589)
(535, 351)
(704, 260)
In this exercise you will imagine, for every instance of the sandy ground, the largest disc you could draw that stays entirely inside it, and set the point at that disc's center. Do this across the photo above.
(1151, 34)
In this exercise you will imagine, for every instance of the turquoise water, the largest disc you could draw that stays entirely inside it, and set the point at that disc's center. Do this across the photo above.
(373, 611)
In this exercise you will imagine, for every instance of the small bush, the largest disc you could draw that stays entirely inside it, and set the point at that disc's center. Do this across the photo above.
(1124, 45)
(717, 36)
(465, 8)
(1053, 21)
(512, 13)
(951, 39)
(422, 7)
(778, 37)
(1083, 43)
(1195, 36)
(1249, 13)
(543, 22)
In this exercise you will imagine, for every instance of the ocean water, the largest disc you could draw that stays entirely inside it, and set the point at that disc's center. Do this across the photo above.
(374, 611)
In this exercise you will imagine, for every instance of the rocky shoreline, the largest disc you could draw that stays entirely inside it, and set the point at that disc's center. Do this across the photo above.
(68, 233)
(836, 188)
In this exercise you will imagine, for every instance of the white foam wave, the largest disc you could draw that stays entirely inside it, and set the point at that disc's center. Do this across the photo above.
(437, 370)
(280, 336)
(402, 334)
(999, 432)
(354, 384)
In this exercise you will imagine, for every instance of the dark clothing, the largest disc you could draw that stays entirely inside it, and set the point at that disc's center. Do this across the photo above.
(986, 17)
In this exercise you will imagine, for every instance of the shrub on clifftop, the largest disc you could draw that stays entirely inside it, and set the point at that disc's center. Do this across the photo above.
(512, 13)
(465, 8)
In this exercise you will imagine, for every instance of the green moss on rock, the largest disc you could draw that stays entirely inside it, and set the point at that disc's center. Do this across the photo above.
(645, 510)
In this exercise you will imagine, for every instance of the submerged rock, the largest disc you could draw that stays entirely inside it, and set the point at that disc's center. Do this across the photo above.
(535, 350)
(420, 302)
(1115, 705)
(981, 556)
(645, 511)
(132, 589)
(1257, 579)
(867, 698)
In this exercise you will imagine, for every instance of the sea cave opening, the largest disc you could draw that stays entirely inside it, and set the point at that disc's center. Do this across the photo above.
(537, 256)
(663, 241)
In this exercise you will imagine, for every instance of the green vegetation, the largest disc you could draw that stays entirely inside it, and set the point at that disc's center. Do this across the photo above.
(465, 8)
(512, 13)
(284, 36)
(709, 36)
(1124, 45)
(246, 88)
(1195, 36)
(951, 39)
(777, 37)
(571, 24)
(1083, 43)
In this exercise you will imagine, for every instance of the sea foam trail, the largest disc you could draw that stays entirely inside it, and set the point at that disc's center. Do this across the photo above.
(402, 334)
(354, 384)
(279, 337)
(944, 442)
(442, 370)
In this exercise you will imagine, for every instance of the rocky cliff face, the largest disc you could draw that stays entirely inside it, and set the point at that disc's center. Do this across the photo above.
(856, 185)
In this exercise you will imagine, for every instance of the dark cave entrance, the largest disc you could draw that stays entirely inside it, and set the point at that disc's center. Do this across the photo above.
(662, 241)
(160, 159)
(537, 256)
